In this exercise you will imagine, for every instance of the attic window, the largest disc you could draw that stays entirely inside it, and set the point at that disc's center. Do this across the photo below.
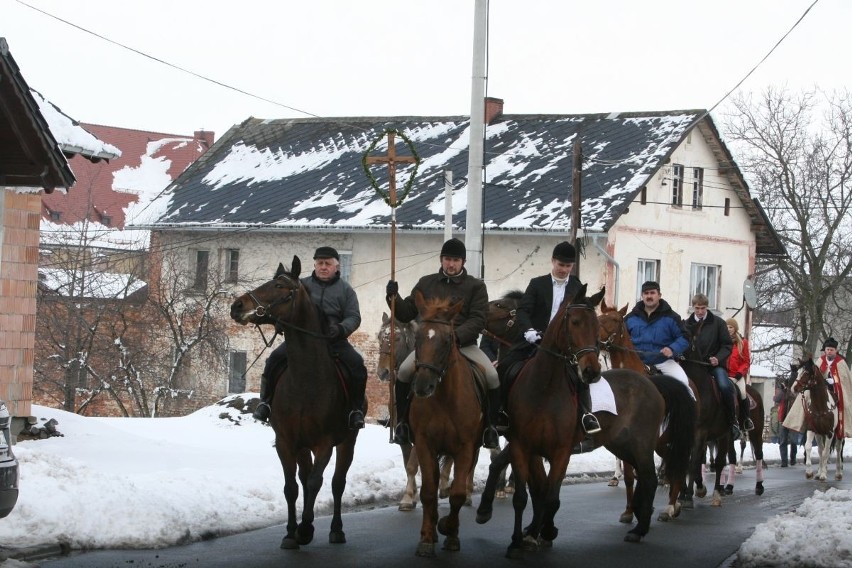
(55, 215)
(106, 220)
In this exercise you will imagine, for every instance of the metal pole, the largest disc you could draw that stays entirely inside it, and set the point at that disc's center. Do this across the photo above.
(473, 223)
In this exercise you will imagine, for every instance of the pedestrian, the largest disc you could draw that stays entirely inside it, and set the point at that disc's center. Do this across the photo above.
(739, 364)
(337, 300)
(788, 439)
(710, 344)
(451, 281)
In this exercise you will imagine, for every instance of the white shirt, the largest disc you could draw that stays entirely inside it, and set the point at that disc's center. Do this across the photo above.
(558, 295)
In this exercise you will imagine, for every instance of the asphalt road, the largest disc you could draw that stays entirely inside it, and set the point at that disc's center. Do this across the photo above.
(590, 535)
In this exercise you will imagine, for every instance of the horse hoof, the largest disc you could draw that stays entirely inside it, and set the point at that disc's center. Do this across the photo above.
(305, 534)
(809, 475)
(758, 488)
(407, 507)
(739, 469)
(613, 482)
(443, 494)
(468, 502)
(515, 553)
(500, 494)
(625, 518)
(717, 499)
(687, 503)
(483, 517)
(729, 489)
(337, 537)
(664, 517)
(289, 543)
(510, 489)
(443, 529)
(632, 537)
(530, 543)
(426, 550)
(544, 543)
(452, 544)
(701, 492)
(838, 476)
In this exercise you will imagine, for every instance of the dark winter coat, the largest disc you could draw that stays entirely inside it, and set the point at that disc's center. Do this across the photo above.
(708, 339)
(650, 333)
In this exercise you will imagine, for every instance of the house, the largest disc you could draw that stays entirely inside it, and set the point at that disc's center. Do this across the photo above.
(662, 199)
(34, 145)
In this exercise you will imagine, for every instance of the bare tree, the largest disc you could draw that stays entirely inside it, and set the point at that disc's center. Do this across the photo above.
(796, 152)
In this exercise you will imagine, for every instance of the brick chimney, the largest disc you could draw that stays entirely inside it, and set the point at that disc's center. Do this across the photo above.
(204, 136)
(493, 109)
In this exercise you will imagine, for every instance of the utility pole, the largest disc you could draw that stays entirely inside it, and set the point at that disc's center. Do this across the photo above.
(576, 197)
(473, 222)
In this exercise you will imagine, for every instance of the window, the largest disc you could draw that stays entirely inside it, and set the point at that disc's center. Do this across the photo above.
(237, 372)
(677, 185)
(346, 265)
(704, 278)
(232, 267)
(106, 220)
(202, 262)
(647, 269)
(55, 215)
(697, 187)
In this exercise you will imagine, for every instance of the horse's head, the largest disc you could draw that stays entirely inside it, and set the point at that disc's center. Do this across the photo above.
(502, 312)
(402, 345)
(611, 322)
(267, 302)
(809, 377)
(574, 332)
(434, 342)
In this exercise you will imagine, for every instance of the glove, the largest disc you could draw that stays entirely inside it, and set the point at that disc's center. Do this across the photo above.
(392, 289)
(336, 332)
(532, 336)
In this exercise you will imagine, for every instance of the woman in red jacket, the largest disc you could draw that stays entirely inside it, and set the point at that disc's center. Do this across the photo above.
(738, 365)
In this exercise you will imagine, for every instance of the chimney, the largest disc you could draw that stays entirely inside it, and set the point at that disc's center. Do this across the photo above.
(493, 109)
(205, 137)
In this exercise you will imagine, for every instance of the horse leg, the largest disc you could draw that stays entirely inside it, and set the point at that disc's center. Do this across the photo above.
(555, 476)
(486, 501)
(429, 474)
(740, 462)
(824, 446)
(629, 482)
(312, 487)
(809, 444)
(718, 466)
(444, 484)
(757, 448)
(345, 453)
(409, 498)
(616, 474)
(643, 500)
(449, 525)
(520, 469)
(838, 463)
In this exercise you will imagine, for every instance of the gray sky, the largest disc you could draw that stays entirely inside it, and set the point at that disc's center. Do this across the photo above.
(412, 57)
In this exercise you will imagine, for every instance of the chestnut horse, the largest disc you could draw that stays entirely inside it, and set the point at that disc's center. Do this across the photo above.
(309, 408)
(403, 345)
(445, 417)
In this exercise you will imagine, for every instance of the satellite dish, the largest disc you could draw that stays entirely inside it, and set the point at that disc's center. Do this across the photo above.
(749, 294)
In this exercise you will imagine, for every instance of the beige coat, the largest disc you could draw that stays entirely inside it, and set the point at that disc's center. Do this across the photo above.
(795, 419)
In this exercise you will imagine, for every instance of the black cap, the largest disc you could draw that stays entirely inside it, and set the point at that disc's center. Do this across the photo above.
(830, 342)
(454, 248)
(327, 252)
(565, 252)
(650, 285)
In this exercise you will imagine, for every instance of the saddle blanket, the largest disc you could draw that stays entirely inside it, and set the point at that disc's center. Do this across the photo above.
(602, 397)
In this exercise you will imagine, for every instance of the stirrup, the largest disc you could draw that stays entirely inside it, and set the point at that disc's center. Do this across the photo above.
(262, 412)
(590, 423)
(748, 425)
(735, 431)
(356, 420)
(490, 438)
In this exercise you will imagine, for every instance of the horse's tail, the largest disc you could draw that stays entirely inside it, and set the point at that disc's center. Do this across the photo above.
(681, 419)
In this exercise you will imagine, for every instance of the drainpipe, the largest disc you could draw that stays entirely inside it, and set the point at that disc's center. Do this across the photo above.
(594, 238)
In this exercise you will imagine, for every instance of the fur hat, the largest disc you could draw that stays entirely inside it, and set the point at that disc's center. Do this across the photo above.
(565, 252)
(454, 248)
(327, 252)
(650, 285)
(830, 342)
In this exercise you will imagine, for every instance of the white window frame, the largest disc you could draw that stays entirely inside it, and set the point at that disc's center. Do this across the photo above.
(232, 267)
(646, 269)
(705, 279)
(697, 188)
(677, 185)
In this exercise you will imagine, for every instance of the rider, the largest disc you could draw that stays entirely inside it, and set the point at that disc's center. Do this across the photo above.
(337, 300)
(657, 333)
(738, 366)
(710, 343)
(451, 281)
(539, 304)
(839, 380)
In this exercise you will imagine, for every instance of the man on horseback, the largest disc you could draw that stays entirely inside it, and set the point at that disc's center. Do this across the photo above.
(838, 377)
(710, 343)
(451, 281)
(540, 302)
(338, 301)
(657, 332)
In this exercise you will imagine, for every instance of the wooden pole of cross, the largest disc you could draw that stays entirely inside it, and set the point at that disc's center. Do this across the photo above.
(391, 159)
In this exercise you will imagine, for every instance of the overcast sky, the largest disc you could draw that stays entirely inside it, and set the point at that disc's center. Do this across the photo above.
(412, 57)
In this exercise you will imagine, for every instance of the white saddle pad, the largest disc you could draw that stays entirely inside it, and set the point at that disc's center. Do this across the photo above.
(602, 397)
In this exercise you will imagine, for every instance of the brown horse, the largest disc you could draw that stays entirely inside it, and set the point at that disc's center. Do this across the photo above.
(755, 437)
(309, 405)
(403, 345)
(821, 419)
(445, 418)
(616, 341)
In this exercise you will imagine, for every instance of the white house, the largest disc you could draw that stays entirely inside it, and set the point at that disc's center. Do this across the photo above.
(661, 199)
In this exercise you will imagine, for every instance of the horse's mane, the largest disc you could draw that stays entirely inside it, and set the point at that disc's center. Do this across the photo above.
(513, 295)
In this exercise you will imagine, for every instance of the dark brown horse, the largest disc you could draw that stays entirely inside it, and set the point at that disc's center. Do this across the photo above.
(445, 417)
(616, 341)
(403, 345)
(309, 405)
(755, 437)
(821, 419)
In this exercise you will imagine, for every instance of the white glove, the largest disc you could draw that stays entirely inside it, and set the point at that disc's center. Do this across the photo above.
(532, 336)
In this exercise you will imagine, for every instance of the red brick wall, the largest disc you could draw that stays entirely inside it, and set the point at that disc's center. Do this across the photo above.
(18, 279)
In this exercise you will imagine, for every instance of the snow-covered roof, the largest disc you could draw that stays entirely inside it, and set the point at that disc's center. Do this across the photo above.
(91, 284)
(73, 138)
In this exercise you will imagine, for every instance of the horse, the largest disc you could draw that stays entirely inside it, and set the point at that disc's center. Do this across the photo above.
(821, 418)
(445, 416)
(755, 438)
(404, 344)
(615, 339)
(308, 416)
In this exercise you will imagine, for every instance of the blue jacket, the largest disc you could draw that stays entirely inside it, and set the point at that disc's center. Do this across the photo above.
(663, 328)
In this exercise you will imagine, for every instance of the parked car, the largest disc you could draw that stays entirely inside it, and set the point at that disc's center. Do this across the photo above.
(8, 465)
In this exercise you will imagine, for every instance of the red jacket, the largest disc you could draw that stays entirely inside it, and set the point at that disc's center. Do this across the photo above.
(739, 362)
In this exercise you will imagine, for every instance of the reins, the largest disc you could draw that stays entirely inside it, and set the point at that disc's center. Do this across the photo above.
(572, 358)
(265, 311)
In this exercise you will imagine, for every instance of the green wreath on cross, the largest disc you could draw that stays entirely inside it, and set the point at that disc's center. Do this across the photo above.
(400, 196)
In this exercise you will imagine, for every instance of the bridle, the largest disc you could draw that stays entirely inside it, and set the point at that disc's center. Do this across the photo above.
(266, 312)
(572, 357)
(441, 372)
